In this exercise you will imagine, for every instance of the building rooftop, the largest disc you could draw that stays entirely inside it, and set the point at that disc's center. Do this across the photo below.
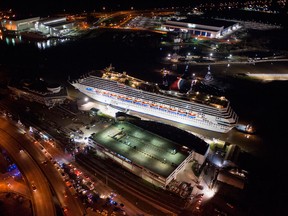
(207, 21)
(174, 134)
(55, 21)
(39, 87)
(142, 147)
(231, 179)
(58, 24)
(22, 18)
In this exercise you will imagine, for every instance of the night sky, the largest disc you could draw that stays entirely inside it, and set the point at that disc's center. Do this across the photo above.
(30, 6)
(48, 7)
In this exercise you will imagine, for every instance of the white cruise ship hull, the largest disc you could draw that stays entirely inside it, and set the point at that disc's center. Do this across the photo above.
(196, 120)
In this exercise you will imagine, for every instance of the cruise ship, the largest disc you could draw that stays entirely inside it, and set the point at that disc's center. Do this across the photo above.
(196, 109)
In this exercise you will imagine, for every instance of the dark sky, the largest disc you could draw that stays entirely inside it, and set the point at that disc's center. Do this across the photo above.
(50, 6)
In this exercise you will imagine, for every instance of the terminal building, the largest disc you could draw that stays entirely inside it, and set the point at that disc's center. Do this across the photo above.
(137, 147)
(38, 91)
(200, 27)
(18, 25)
(48, 27)
(54, 27)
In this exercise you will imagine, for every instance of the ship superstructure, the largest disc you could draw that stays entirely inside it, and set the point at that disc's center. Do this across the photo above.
(192, 108)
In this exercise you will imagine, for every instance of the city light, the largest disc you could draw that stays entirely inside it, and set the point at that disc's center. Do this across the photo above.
(209, 193)
(102, 122)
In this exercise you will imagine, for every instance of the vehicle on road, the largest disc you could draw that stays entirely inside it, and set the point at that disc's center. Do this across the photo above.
(34, 188)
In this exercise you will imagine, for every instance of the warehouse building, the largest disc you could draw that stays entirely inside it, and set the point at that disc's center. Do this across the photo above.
(200, 27)
(146, 154)
(18, 25)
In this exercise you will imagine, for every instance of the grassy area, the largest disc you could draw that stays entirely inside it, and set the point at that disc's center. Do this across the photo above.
(214, 146)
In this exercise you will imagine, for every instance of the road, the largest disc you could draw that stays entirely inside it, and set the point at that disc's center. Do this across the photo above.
(11, 140)
(73, 204)
(53, 176)
(48, 171)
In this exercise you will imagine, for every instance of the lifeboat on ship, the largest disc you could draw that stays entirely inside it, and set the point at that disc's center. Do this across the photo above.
(172, 110)
(113, 95)
(182, 113)
(191, 115)
(145, 103)
(163, 108)
(121, 97)
(128, 99)
(137, 101)
(155, 106)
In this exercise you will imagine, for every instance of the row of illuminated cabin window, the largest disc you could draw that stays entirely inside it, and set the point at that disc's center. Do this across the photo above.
(122, 89)
(125, 90)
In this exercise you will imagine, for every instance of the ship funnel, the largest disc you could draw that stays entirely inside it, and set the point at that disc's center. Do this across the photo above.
(193, 82)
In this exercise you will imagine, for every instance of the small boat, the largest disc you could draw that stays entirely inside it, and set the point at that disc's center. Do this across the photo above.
(249, 129)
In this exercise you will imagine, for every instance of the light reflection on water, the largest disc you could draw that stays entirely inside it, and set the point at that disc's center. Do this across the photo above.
(40, 44)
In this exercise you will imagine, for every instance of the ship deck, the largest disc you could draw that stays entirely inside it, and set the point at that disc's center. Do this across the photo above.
(197, 97)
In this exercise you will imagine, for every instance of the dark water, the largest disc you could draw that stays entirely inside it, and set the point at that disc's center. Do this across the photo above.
(76, 57)
(263, 103)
